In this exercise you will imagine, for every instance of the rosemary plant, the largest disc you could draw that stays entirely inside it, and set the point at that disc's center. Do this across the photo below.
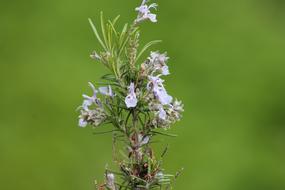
(134, 101)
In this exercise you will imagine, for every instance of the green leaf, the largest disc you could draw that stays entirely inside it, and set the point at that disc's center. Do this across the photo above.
(97, 34)
(115, 20)
(108, 83)
(113, 27)
(148, 45)
(164, 151)
(104, 132)
(103, 29)
(123, 32)
(110, 36)
(165, 134)
(122, 35)
(109, 77)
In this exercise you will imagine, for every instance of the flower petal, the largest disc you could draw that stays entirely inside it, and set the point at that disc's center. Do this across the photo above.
(163, 97)
(131, 101)
(152, 17)
(165, 70)
(162, 113)
(82, 123)
(104, 90)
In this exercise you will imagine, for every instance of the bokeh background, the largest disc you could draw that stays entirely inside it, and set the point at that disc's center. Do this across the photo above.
(227, 64)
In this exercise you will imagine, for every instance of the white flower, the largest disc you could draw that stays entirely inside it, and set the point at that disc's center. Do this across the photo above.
(131, 99)
(94, 55)
(110, 178)
(106, 91)
(178, 106)
(152, 17)
(156, 84)
(175, 110)
(165, 70)
(82, 123)
(159, 62)
(86, 103)
(162, 113)
(157, 57)
(89, 100)
(156, 64)
(162, 96)
(93, 117)
(144, 13)
(142, 140)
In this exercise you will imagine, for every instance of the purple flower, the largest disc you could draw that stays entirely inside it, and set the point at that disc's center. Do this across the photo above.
(159, 62)
(131, 99)
(162, 113)
(144, 13)
(142, 140)
(165, 70)
(106, 90)
(156, 85)
(82, 122)
(94, 55)
(89, 100)
(162, 96)
(157, 57)
(110, 178)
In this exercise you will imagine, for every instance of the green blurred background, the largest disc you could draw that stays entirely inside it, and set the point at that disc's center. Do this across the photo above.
(227, 64)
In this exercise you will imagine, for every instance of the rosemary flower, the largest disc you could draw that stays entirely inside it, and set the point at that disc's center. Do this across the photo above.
(110, 181)
(92, 111)
(162, 113)
(89, 100)
(82, 122)
(145, 14)
(159, 62)
(156, 85)
(155, 64)
(94, 55)
(93, 117)
(131, 98)
(106, 90)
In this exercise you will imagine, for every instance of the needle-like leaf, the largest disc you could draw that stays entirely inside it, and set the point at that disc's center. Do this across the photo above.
(97, 34)
(148, 45)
